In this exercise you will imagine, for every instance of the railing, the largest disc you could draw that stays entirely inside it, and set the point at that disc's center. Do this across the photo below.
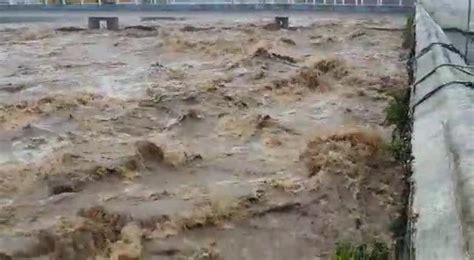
(230, 2)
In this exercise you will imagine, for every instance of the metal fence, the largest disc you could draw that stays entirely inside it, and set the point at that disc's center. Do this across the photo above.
(230, 2)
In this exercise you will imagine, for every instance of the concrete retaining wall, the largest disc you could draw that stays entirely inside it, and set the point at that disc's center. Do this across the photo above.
(212, 7)
(443, 150)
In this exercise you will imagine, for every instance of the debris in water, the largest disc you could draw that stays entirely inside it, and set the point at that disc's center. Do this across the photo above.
(262, 52)
(164, 18)
(335, 151)
(307, 77)
(60, 184)
(70, 29)
(357, 34)
(129, 247)
(142, 27)
(288, 41)
(191, 114)
(190, 28)
(264, 121)
(336, 67)
(149, 152)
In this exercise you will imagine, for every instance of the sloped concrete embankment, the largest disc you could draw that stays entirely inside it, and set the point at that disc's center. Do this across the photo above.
(443, 147)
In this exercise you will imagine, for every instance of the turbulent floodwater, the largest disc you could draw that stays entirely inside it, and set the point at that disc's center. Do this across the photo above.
(204, 137)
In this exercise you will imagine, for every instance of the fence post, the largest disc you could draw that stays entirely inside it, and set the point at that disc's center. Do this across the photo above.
(468, 29)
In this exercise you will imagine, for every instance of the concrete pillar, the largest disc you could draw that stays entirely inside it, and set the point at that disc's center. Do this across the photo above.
(282, 22)
(94, 23)
(400, 2)
(361, 2)
(324, 2)
(63, 2)
(46, 2)
(113, 24)
(99, 2)
(82, 2)
(343, 2)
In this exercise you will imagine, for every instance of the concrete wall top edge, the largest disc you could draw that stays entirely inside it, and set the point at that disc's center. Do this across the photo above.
(212, 7)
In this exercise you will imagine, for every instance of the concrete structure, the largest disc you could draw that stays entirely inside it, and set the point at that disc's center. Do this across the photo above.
(459, 38)
(443, 148)
(209, 5)
(217, 2)
(213, 7)
(112, 22)
(282, 22)
(455, 16)
(449, 13)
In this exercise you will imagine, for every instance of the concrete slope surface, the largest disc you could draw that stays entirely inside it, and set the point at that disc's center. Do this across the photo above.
(449, 13)
(443, 149)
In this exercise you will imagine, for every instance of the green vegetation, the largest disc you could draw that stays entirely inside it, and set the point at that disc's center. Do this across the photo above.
(398, 114)
(409, 33)
(372, 251)
(401, 149)
(397, 227)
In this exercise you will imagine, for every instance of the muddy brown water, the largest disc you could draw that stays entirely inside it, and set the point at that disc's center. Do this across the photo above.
(191, 141)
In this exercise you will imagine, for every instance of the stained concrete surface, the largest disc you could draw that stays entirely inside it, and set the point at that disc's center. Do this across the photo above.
(459, 40)
(451, 14)
(442, 149)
